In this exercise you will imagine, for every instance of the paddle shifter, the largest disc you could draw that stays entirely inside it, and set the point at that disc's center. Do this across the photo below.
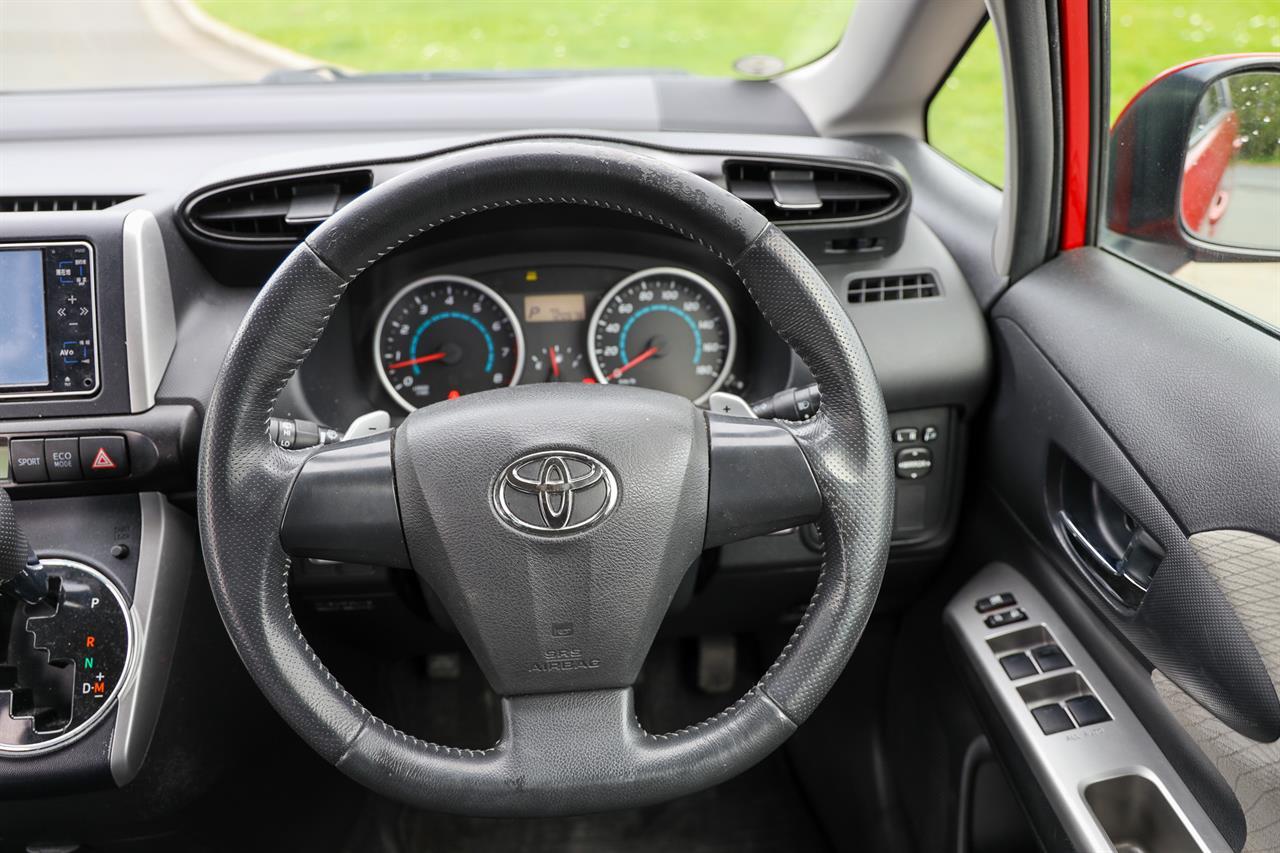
(65, 635)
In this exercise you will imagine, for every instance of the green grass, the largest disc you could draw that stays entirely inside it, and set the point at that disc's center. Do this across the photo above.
(966, 119)
(702, 36)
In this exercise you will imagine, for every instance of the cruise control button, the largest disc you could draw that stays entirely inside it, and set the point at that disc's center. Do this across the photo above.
(103, 456)
(26, 460)
(914, 462)
(62, 458)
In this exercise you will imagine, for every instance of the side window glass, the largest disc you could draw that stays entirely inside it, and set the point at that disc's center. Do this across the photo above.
(966, 116)
(1193, 162)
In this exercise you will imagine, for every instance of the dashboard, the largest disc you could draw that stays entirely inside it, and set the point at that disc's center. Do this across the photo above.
(564, 297)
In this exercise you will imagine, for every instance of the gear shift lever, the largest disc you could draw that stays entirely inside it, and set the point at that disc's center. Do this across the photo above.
(21, 574)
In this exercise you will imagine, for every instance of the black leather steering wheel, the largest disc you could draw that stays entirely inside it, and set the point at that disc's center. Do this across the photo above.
(559, 620)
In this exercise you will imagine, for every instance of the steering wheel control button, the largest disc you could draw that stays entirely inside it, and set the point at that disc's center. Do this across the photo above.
(103, 457)
(1052, 719)
(1087, 710)
(62, 458)
(903, 435)
(65, 658)
(555, 491)
(1050, 657)
(914, 462)
(1018, 666)
(995, 602)
(1006, 617)
(26, 460)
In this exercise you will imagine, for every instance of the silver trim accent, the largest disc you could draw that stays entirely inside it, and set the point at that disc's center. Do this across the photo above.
(166, 552)
(725, 403)
(125, 682)
(432, 279)
(150, 328)
(370, 423)
(717, 297)
(1067, 762)
(510, 478)
(97, 350)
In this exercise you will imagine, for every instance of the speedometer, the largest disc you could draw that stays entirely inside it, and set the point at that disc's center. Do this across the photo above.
(444, 336)
(663, 328)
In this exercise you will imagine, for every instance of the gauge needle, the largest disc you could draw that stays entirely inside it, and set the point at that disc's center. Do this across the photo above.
(555, 366)
(422, 359)
(647, 354)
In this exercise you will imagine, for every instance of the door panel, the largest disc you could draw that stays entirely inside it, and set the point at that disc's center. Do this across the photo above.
(1136, 425)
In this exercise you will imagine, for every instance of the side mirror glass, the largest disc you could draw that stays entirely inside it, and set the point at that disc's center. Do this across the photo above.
(1194, 172)
(1231, 173)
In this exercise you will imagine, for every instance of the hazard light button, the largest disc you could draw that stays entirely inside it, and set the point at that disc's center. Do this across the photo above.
(103, 456)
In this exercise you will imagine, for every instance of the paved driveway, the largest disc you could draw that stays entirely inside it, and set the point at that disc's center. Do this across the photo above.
(69, 44)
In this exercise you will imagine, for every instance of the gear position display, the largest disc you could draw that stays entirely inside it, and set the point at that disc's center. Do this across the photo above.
(68, 637)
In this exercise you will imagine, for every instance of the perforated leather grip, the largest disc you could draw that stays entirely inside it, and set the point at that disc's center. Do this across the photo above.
(538, 767)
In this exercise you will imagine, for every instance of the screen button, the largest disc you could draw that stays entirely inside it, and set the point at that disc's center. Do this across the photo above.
(62, 458)
(26, 460)
(103, 456)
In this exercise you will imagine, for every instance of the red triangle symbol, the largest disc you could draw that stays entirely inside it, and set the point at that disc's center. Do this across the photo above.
(102, 462)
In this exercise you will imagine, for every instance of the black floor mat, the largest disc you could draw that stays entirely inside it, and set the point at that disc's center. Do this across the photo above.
(761, 810)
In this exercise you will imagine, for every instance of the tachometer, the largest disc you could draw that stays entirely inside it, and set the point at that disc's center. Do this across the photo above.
(444, 336)
(663, 328)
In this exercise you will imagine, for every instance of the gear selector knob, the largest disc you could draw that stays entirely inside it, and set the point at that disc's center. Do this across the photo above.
(21, 574)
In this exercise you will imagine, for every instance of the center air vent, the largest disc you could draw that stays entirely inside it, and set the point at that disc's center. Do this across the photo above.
(803, 193)
(893, 287)
(51, 203)
(280, 210)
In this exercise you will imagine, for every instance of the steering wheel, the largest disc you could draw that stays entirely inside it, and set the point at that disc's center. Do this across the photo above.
(554, 522)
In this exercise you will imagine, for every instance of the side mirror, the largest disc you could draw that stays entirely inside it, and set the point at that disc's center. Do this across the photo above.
(1195, 164)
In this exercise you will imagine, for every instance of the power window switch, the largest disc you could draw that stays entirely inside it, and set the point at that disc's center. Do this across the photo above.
(1006, 617)
(1087, 710)
(995, 602)
(1018, 665)
(26, 460)
(1052, 719)
(1050, 657)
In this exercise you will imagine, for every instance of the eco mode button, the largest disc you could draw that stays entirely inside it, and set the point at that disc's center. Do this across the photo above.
(103, 456)
(62, 458)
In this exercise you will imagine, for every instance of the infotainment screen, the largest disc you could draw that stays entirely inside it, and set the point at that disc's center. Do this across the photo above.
(48, 320)
(24, 358)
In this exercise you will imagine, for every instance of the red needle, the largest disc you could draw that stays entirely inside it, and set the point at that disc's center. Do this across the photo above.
(647, 354)
(422, 359)
(555, 367)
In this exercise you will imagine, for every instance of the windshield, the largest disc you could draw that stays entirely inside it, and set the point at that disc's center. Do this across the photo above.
(52, 44)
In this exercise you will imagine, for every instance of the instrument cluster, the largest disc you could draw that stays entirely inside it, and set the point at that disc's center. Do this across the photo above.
(444, 335)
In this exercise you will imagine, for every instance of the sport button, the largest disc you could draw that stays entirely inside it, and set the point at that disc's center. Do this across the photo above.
(103, 456)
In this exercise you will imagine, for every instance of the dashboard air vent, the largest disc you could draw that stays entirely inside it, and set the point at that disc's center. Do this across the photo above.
(801, 193)
(50, 203)
(892, 288)
(280, 210)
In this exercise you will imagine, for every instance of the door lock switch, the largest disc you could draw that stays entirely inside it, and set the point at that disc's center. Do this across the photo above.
(1005, 617)
(995, 602)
